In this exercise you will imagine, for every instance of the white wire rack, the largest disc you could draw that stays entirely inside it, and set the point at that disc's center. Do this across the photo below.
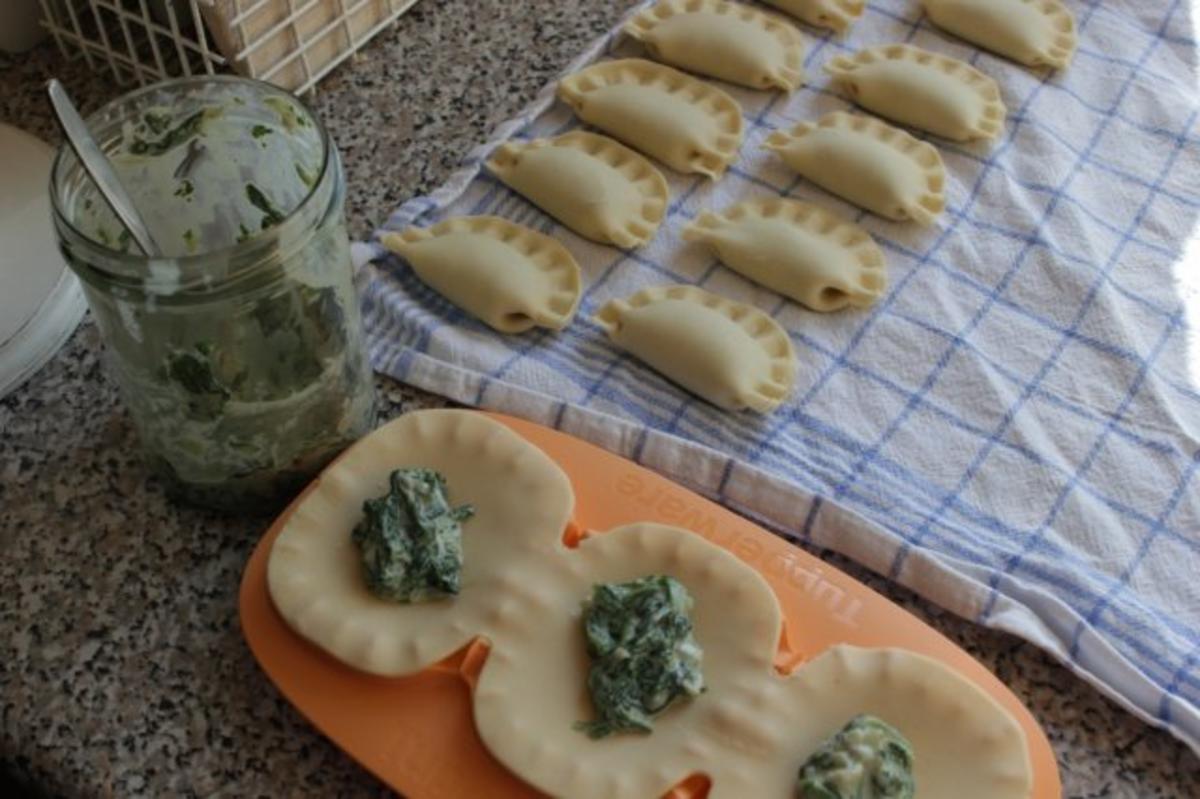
(291, 43)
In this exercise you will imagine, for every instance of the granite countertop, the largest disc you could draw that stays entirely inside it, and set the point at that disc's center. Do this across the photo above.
(124, 672)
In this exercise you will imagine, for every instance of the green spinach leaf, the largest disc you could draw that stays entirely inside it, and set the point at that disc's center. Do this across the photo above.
(866, 759)
(272, 215)
(644, 655)
(410, 538)
(192, 370)
(176, 136)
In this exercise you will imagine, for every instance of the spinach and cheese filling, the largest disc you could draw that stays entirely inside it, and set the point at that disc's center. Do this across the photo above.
(410, 539)
(866, 759)
(208, 178)
(644, 656)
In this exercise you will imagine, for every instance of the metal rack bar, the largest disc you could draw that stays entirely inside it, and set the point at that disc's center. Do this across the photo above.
(201, 38)
(87, 56)
(184, 63)
(152, 35)
(108, 50)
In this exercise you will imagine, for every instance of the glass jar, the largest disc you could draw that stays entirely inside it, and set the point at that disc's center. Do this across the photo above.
(238, 350)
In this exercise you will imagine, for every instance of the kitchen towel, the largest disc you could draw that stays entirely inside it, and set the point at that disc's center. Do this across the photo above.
(1013, 431)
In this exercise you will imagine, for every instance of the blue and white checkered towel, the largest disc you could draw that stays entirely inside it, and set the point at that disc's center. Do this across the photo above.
(1014, 431)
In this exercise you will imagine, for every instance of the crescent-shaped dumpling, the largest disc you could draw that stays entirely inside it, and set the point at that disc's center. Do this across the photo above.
(815, 257)
(729, 41)
(687, 124)
(837, 15)
(1037, 33)
(731, 354)
(599, 188)
(869, 163)
(507, 276)
(923, 90)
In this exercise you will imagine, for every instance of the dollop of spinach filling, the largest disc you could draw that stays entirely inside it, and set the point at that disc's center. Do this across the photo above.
(298, 331)
(169, 138)
(644, 656)
(410, 539)
(866, 759)
(272, 216)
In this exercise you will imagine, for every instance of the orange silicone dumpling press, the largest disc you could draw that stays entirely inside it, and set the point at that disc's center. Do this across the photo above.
(417, 734)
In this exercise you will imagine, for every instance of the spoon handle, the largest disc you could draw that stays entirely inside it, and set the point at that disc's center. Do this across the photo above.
(98, 167)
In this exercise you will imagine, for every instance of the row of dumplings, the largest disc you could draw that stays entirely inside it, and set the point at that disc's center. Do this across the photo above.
(608, 193)
(513, 278)
(1036, 33)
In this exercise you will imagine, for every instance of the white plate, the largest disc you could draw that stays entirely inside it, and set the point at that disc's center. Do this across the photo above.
(41, 302)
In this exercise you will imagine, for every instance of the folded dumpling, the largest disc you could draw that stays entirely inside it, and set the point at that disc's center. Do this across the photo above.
(687, 124)
(599, 188)
(837, 15)
(1037, 33)
(869, 163)
(729, 353)
(924, 90)
(507, 276)
(814, 256)
(725, 40)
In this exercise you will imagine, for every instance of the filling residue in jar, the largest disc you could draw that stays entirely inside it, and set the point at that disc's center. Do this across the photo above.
(205, 179)
(243, 367)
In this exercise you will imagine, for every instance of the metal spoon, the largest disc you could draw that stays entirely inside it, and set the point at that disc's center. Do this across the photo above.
(96, 164)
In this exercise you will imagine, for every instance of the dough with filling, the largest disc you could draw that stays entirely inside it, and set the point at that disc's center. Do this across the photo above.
(924, 90)
(725, 40)
(960, 736)
(751, 728)
(522, 591)
(837, 15)
(522, 503)
(507, 276)
(815, 257)
(686, 123)
(1037, 33)
(599, 188)
(544, 665)
(869, 163)
(729, 353)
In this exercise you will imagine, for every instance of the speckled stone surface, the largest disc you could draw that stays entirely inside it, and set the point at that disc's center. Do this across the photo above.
(122, 668)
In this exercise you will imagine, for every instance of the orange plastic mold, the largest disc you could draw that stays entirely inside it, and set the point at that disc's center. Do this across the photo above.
(416, 733)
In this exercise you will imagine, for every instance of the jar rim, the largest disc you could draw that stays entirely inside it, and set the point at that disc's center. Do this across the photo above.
(130, 262)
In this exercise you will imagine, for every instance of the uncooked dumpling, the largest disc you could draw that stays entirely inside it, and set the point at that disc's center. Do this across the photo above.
(798, 249)
(924, 90)
(729, 353)
(868, 162)
(599, 188)
(687, 124)
(1037, 33)
(544, 664)
(507, 276)
(725, 40)
(522, 503)
(964, 742)
(837, 15)
(521, 592)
